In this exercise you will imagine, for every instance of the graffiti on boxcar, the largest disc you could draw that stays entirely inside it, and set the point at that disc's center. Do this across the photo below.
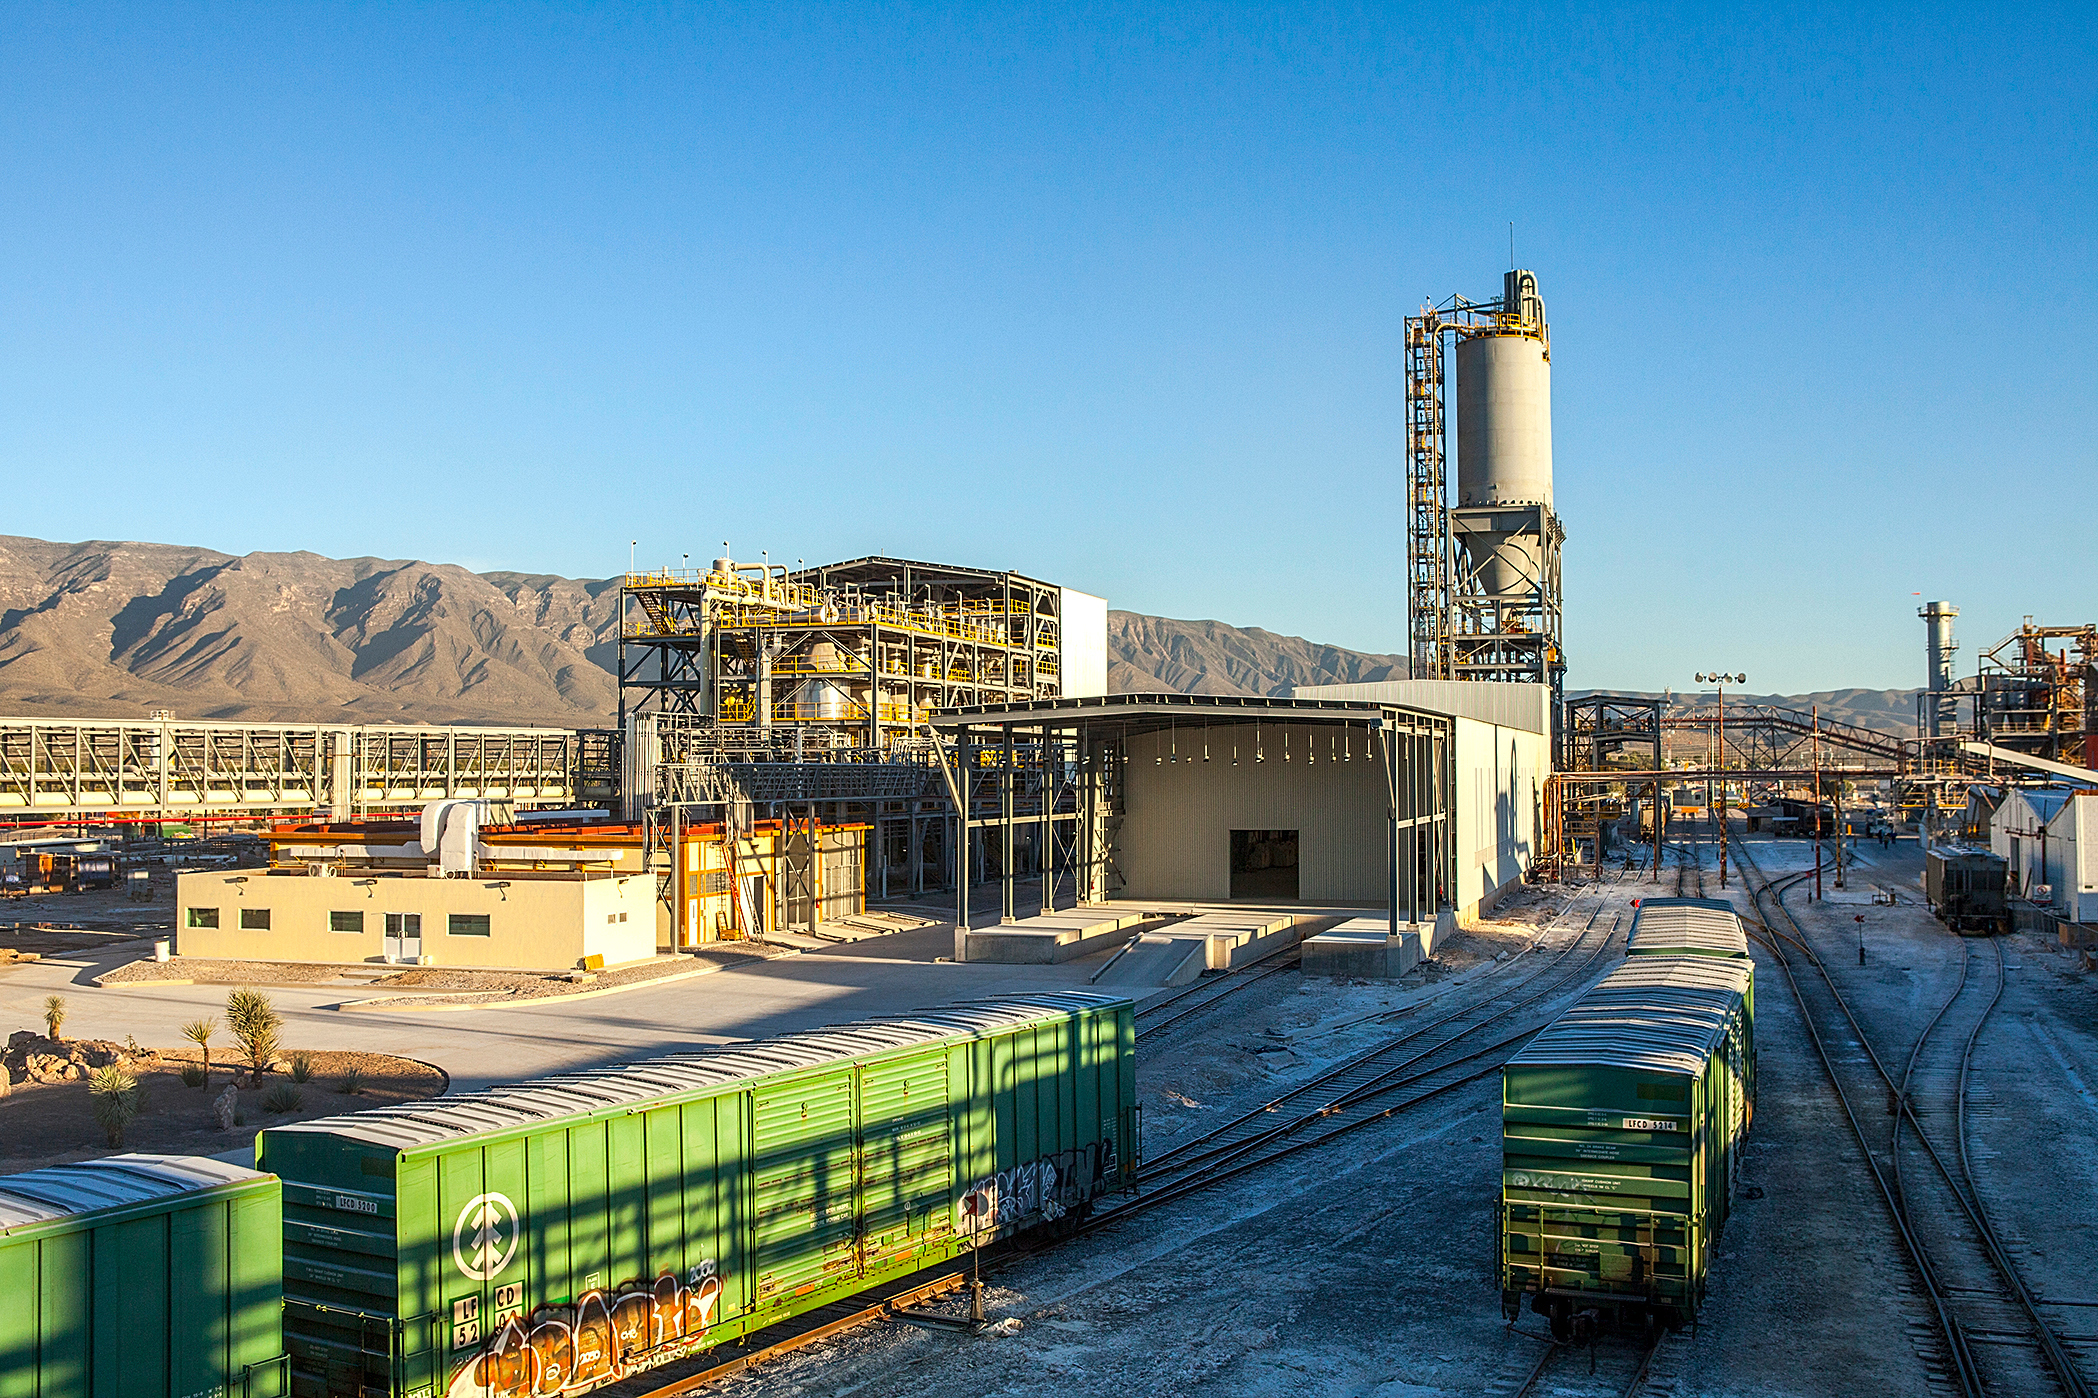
(596, 1338)
(1049, 1188)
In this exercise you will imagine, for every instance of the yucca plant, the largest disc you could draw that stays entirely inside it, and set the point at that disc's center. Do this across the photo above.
(283, 1098)
(351, 1084)
(192, 1075)
(255, 1024)
(115, 1094)
(199, 1032)
(301, 1066)
(54, 1016)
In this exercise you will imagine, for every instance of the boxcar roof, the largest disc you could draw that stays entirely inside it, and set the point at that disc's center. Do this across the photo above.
(58, 1191)
(500, 1108)
(1685, 922)
(1656, 1014)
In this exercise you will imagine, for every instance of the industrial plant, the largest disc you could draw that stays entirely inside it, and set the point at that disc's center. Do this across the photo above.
(1469, 875)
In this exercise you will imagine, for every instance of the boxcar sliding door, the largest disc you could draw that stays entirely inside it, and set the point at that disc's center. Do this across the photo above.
(802, 1139)
(906, 1167)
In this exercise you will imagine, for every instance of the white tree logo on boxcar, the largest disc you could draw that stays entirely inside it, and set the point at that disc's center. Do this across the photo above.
(485, 1236)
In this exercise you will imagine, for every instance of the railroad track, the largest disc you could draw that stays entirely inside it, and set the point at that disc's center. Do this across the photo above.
(1523, 1383)
(1996, 1337)
(1319, 1117)
(1158, 1015)
(1426, 1061)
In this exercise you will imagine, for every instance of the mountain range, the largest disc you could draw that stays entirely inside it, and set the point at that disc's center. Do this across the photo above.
(108, 630)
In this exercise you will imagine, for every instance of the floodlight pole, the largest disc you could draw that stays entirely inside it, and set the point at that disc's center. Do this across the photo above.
(1722, 680)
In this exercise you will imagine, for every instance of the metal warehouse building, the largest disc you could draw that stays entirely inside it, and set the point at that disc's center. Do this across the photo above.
(1416, 796)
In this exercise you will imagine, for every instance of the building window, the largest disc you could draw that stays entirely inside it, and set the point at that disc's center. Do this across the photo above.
(254, 919)
(345, 922)
(203, 917)
(468, 925)
(615, 917)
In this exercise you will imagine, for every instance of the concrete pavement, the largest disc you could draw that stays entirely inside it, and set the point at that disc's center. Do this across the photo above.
(478, 1047)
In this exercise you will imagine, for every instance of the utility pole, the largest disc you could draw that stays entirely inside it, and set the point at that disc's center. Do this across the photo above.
(1722, 681)
(1817, 803)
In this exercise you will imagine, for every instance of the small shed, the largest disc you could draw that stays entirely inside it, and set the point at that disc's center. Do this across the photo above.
(2048, 837)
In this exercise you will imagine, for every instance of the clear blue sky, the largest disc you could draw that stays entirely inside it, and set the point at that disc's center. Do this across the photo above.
(1110, 295)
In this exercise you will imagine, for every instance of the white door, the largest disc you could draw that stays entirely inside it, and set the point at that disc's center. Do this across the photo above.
(404, 937)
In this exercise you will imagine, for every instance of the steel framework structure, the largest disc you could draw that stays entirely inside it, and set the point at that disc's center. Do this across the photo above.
(1060, 762)
(1458, 631)
(153, 769)
(2040, 701)
(849, 655)
(1768, 736)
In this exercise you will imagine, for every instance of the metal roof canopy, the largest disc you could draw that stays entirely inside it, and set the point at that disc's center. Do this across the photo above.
(1159, 709)
(1419, 751)
(878, 568)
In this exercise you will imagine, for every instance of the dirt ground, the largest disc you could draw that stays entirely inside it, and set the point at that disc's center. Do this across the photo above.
(51, 1123)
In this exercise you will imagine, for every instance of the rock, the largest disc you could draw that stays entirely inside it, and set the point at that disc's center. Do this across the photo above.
(226, 1107)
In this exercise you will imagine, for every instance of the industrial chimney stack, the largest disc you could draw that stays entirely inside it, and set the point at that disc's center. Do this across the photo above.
(1940, 709)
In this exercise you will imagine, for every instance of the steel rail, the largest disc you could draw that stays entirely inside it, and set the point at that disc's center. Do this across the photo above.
(1223, 988)
(2063, 1369)
(883, 1309)
(890, 1307)
(1555, 1350)
(1235, 1158)
(1157, 1164)
(2058, 1358)
(2065, 1373)
(1963, 1362)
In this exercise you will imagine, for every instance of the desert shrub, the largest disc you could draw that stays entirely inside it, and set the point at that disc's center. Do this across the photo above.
(255, 1024)
(192, 1075)
(54, 1015)
(283, 1098)
(115, 1094)
(301, 1066)
(199, 1032)
(351, 1083)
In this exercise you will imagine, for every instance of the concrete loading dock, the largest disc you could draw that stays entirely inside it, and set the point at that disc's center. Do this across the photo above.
(1212, 941)
(1051, 937)
(1364, 948)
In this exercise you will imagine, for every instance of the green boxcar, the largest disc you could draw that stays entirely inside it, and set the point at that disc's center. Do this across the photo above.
(1686, 926)
(141, 1276)
(1693, 927)
(557, 1235)
(1622, 1126)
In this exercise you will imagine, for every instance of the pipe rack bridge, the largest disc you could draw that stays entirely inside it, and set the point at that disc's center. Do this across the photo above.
(1768, 735)
(164, 769)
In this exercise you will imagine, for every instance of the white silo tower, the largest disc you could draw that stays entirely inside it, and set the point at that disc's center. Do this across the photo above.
(1504, 451)
(1483, 598)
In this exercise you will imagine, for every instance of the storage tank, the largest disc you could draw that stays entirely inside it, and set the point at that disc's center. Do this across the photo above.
(1504, 432)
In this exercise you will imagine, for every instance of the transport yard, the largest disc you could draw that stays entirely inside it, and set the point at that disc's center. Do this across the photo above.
(886, 1006)
(1236, 1290)
(1302, 1135)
